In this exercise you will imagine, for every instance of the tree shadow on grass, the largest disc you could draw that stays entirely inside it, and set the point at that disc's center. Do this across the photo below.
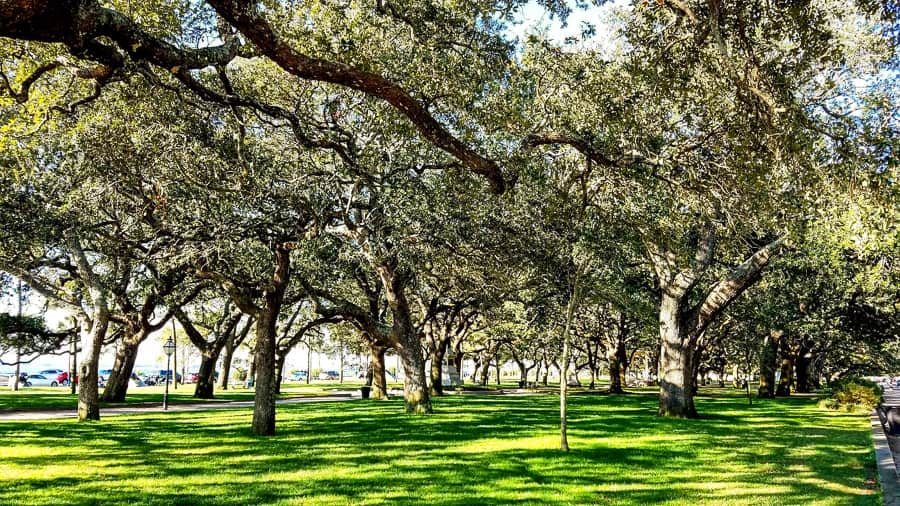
(486, 450)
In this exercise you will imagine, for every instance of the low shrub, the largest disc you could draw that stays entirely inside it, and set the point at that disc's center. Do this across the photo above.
(854, 394)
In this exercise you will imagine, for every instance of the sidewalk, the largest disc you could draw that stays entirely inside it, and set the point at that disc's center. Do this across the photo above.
(888, 470)
(157, 408)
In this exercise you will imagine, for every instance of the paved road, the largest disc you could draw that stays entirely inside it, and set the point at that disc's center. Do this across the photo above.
(157, 408)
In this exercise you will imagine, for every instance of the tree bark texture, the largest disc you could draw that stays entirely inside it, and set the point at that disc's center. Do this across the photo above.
(676, 397)
(266, 344)
(617, 358)
(802, 366)
(787, 375)
(406, 341)
(88, 392)
(437, 360)
(206, 376)
(279, 372)
(768, 363)
(226, 366)
(379, 377)
(123, 366)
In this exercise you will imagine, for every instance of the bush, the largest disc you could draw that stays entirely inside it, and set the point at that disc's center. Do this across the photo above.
(854, 394)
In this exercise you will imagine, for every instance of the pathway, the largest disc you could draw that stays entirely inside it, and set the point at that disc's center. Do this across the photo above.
(201, 406)
(157, 408)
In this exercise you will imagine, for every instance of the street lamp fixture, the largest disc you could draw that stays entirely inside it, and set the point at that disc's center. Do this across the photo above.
(168, 349)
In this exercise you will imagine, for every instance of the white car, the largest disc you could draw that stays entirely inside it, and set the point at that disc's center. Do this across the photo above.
(39, 380)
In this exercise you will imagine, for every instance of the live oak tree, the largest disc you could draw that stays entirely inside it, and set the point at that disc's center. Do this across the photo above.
(694, 140)
(210, 326)
(687, 126)
(53, 225)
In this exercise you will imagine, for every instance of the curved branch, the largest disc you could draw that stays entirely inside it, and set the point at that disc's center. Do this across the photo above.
(245, 17)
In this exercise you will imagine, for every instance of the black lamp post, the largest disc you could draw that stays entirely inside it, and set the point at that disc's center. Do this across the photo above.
(168, 349)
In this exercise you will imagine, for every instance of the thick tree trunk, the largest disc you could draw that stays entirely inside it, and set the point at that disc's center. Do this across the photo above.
(266, 345)
(88, 393)
(264, 383)
(486, 371)
(279, 372)
(226, 366)
(787, 375)
(437, 361)
(379, 378)
(768, 362)
(803, 365)
(206, 377)
(415, 385)
(615, 378)
(126, 355)
(618, 359)
(676, 398)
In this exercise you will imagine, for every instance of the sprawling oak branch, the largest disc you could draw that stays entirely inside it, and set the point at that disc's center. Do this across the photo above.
(739, 279)
(80, 24)
(246, 18)
(580, 145)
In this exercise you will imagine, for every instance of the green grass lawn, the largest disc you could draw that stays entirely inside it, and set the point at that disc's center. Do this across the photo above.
(33, 398)
(474, 450)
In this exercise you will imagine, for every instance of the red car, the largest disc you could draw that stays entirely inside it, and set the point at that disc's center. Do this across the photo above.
(62, 378)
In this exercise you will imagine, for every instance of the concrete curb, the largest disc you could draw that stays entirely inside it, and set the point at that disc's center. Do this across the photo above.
(887, 468)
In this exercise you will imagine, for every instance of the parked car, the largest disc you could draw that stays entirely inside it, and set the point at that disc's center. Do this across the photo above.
(192, 377)
(164, 374)
(63, 378)
(39, 380)
(299, 375)
(329, 375)
(104, 374)
(148, 380)
(50, 373)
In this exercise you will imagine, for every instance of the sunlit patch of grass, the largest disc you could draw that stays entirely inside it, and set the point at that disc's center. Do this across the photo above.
(473, 450)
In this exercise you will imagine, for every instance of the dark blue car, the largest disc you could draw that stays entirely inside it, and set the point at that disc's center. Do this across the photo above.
(167, 375)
